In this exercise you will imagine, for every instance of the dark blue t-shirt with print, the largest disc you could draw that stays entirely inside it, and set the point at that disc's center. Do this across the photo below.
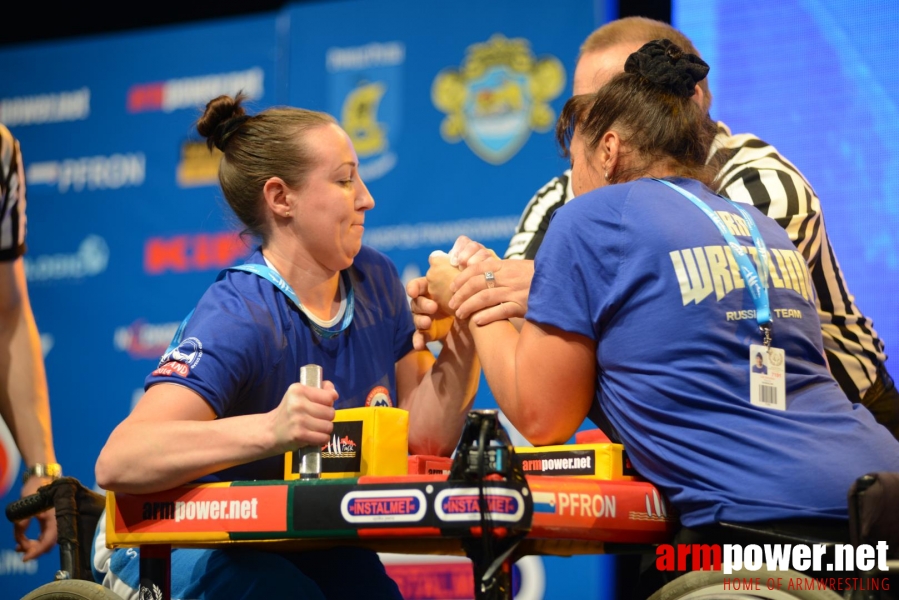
(245, 342)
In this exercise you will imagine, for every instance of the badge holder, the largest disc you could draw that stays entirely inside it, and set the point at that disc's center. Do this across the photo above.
(767, 374)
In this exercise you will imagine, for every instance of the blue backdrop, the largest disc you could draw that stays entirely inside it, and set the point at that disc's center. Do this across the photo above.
(127, 226)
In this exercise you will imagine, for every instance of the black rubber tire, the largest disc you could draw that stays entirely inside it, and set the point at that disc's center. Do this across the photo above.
(710, 584)
(72, 589)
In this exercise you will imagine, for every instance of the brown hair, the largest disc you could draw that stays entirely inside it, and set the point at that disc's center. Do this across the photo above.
(638, 31)
(255, 149)
(652, 119)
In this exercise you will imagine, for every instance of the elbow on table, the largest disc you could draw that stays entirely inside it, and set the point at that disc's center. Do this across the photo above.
(105, 472)
(431, 446)
(112, 473)
(543, 431)
(544, 438)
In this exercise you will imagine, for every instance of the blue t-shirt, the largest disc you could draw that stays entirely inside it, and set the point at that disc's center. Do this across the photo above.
(645, 274)
(245, 343)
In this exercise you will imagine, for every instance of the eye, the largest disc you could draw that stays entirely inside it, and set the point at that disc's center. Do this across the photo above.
(347, 182)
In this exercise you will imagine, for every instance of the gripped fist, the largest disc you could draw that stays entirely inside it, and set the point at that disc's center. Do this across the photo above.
(429, 326)
(440, 277)
(305, 416)
(466, 251)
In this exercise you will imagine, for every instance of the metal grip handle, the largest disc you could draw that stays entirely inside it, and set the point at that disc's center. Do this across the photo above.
(311, 456)
(311, 376)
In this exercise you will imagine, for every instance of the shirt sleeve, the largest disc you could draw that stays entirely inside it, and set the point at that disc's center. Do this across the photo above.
(773, 185)
(220, 353)
(576, 267)
(12, 197)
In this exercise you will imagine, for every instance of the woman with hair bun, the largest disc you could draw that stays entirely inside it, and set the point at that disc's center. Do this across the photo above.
(652, 296)
(225, 404)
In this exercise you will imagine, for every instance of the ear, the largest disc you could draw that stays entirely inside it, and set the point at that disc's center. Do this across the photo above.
(609, 154)
(276, 194)
(699, 97)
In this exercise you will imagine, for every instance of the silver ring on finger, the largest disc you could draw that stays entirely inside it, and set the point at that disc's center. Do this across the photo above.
(491, 279)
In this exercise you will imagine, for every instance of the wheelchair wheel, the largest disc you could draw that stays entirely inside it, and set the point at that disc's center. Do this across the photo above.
(697, 585)
(72, 589)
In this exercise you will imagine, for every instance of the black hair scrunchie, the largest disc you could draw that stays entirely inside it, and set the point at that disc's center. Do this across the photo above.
(226, 129)
(663, 63)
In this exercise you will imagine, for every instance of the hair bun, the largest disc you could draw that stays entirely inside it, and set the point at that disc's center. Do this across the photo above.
(663, 63)
(226, 129)
(222, 118)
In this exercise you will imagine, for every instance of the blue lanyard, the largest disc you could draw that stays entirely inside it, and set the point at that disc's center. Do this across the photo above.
(756, 284)
(271, 275)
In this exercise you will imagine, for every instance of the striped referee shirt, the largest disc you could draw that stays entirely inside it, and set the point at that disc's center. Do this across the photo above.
(12, 197)
(753, 172)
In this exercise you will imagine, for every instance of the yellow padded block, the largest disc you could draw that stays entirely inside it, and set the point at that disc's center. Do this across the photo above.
(371, 440)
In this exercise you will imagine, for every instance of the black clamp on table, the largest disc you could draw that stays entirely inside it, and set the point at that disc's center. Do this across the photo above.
(484, 454)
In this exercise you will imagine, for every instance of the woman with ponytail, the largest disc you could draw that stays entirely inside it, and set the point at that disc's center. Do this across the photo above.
(650, 299)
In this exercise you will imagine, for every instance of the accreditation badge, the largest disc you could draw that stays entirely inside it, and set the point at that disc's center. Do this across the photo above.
(767, 377)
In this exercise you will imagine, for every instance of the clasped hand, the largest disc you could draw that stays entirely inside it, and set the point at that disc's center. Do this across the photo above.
(455, 286)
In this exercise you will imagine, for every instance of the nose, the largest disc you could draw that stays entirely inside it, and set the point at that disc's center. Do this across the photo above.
(364, 200)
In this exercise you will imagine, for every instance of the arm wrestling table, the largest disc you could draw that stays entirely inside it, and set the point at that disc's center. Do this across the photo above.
(417, 514)
(490, 517)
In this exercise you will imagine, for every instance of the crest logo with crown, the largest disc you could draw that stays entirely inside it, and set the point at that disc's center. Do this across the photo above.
(497, 97)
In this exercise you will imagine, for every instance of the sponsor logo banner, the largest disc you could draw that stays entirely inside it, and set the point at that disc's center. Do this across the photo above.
(193, 92)
(612, 511)
(203, 509)
(144, 340)
(11, 564)
(90, 173)
(196, 252)
(439, 234)
(58, 107)
(423, 577)
(381, 506)
(90, 259)
(198, 165)
(571, 462)
(838, 567)
(365, 91)
(463, 504)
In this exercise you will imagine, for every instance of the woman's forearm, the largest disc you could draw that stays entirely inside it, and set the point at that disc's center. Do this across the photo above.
(543, 378)
(496, 345)
(149, 456)
(440, 403)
